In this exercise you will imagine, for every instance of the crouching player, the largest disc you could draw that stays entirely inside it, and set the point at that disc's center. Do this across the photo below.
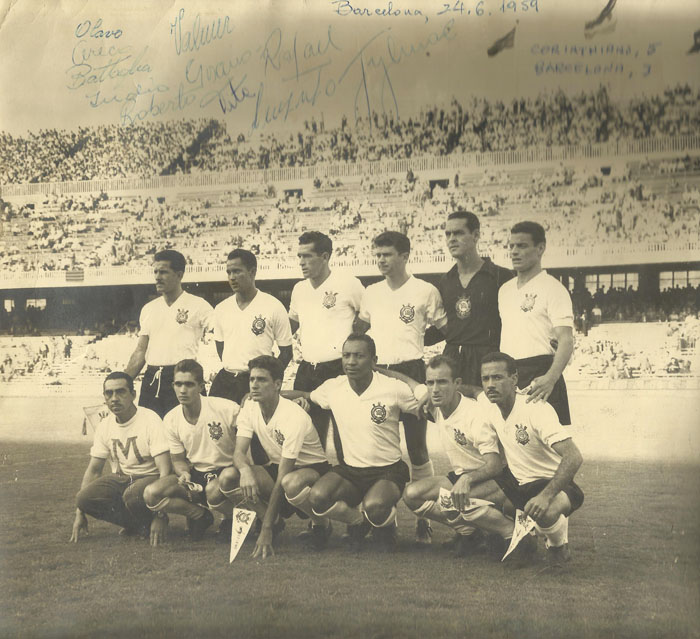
(366, 407)
(458, 418)
(542, 458)
(132, 438)
(297, 459)
(201, 435)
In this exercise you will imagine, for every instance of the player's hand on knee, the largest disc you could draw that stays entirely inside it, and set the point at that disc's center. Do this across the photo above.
(249, 487)
(184, 479)
(79, 524)
(460, 493)
(537, 506)
(159, 530)
(540, 389)
(263, 547)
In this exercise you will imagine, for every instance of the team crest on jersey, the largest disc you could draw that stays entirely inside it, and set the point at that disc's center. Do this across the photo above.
(460, 437)
(181, 317)
(278, 437)
(463, 306)
(528, 303)
(378, 413)
(521, 435)
(215, 431)
(329, 298)
(258, 325)
(407, 313)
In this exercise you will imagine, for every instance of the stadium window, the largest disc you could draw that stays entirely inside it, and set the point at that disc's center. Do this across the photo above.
(694, 278)
(618, 280)
(632, 281)
(592, 283)
(9, 306)
(37, 303)
(665, 280)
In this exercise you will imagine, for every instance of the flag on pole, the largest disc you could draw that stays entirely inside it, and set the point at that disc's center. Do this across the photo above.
(604, 23)
(506, 42)
(242, 522)
(94, 415)
(696, 43)
(523, 526)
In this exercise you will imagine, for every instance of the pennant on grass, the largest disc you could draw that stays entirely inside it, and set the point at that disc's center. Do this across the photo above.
(523, 526)
(447, 505)
(696, 43)
(94, 415)
(604, 23)
(506, 42)
(242, 522)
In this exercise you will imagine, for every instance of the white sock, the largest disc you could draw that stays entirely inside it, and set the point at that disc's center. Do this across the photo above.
(557, 534)
(460, 526)
(423, 471)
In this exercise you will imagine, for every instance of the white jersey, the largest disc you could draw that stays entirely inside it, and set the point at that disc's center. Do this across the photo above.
(209, 443)
(530, 313)
(252, 331)
(526, 437)
(399, 318)
(368, 424)
(290, 433)
(174, 331)
(325, 315)
(460, 431)
(131, 446)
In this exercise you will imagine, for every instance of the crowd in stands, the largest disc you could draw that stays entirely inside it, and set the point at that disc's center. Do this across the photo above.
(478, 125)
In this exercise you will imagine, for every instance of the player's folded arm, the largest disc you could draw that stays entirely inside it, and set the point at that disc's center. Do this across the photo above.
(571, 460)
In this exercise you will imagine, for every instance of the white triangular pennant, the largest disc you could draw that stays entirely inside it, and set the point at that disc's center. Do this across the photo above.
(242, 522)
(523, 526)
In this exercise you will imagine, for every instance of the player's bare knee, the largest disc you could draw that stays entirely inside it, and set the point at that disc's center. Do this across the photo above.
(228, 479)
(412, 496)
(376, 511)
(212, 492)
(293, 484)
(152, 494)
(320, 500)
(82, 500)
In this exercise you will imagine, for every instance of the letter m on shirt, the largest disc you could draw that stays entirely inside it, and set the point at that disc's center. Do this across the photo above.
(125, 449)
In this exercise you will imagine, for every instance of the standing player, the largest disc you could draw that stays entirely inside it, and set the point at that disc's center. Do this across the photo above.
(398, 311)
(469, 292)
(324, 306)
(297, 458)
(459, 421)
(202, 436)
(366, 407)
(171, 328)
(542, 458)
(246, 325)
(538, 321)
(132, 438)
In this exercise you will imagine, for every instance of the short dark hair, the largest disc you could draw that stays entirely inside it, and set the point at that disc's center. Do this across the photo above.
(472, 221)
(363, 337)
(271, 364)
(249, 260)
(440, 360)
(174, 258)
(322, 243)
(497, 356)
(190, 366)
(533, 229)
(393, 238)
(120, 375)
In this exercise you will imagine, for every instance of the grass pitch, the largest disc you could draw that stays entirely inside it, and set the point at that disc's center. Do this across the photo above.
(634, 571)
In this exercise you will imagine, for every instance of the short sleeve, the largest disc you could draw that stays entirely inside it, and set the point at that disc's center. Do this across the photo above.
(99, 448)
(559, 308)
(216, 324)
(174, 443)
(282, 329)
(294, 303)
(321, 396)
(356, 293)
(144, 328)
(158, 442)
(485, 436)
(295, 432)
(405, 398)
(206, 319)
(245, 424)
(545, 423)
(436, 311)
(364, 313)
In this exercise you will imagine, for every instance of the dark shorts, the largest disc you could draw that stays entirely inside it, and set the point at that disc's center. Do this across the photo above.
(310, 376)
(364, 478)
(286, 509)
(157, 391)
(202, 478)
(453, 477)
(414, 368)
(532, 367)
(468, 356)
(520, 495)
